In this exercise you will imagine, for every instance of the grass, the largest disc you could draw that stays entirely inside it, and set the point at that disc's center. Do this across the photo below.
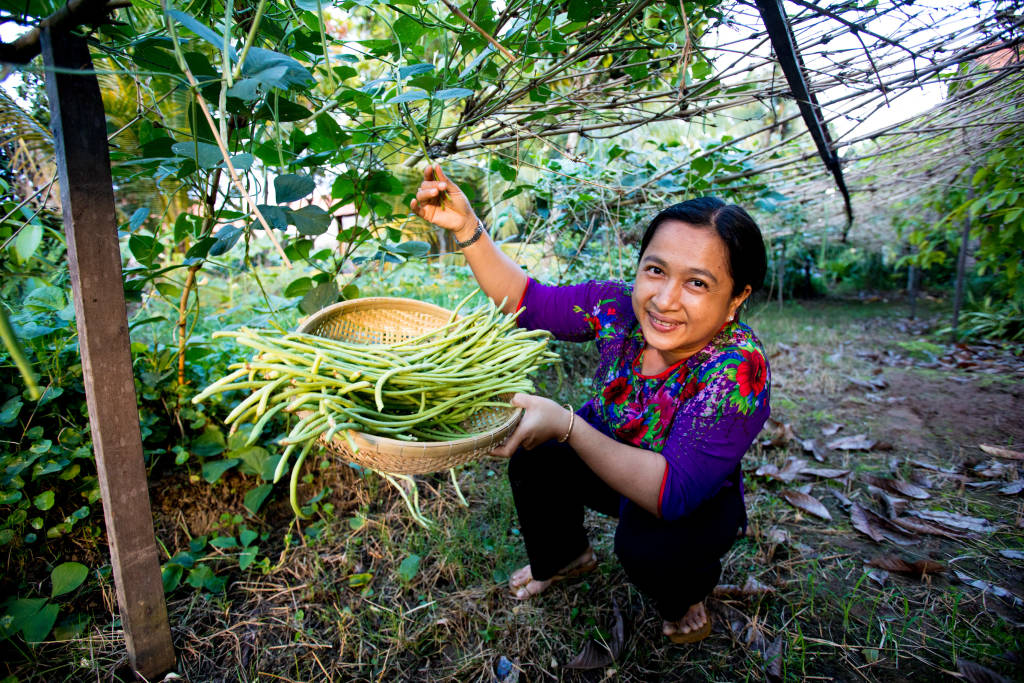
(333, 603)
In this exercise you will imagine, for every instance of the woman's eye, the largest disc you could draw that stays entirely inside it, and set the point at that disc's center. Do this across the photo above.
(698, 283)
(654, 269)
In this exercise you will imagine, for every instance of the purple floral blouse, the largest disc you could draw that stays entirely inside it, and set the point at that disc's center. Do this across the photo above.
(701, 414)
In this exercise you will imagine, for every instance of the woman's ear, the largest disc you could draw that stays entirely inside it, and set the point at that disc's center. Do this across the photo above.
(738, 300)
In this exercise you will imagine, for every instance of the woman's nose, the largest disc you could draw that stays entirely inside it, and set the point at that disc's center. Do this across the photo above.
(666, 298)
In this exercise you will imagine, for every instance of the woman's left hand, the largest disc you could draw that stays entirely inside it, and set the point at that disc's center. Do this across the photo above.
(543, 420)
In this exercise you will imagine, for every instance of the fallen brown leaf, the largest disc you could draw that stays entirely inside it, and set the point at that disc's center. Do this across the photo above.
(830, 429)
(988, 587)
(903, 488)
(1001, 452)
(889, 529)
(994, 469)
(807, 503)
(979, 524)
(824, 472)
(860, 521)
(976, 673)
(811, 446)
(857, 442)
(780, 433)
(750, 588)
(773, 656)
(596, 655)
(916, 525)
(918, 568)
(1013, 488)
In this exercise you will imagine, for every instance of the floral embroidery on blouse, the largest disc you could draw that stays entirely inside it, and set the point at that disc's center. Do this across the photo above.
(640, 409)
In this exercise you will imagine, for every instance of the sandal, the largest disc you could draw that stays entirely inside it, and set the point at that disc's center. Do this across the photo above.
(693, 636)
(585, 567)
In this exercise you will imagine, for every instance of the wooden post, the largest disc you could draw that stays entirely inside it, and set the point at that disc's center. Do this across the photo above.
(961, 267)
(912, 290)
(780, 270)
(94, 261)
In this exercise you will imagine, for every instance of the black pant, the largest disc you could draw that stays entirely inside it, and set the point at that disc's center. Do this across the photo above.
(677, 563)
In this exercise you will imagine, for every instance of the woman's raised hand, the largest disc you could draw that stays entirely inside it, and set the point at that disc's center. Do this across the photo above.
(441, 202)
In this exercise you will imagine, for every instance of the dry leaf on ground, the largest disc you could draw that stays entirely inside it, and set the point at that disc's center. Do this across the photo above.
(872, 383)
(1012, 554)
(811, 446)
(888, 528)
(1013, 488)
(920, 526)
(903, 488)
(976, 673)
(831, 429)
(779, 433)
(773, 656)
(918, 568)
(1001, 452)
(857, 442)
(750, 588)
(957, 521)
(824, 472)
(988, 587)
(807, 503)
(861, 522)
(596, 655)
(993, 469)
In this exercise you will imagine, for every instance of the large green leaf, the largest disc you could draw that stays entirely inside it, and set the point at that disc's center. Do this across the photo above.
(254, 498)
(38, 626)
(203, 153)
(408, 568)
(215, 469)
(275, 70)
(67, 577)
(227, 237)
(324, 294)
(209, 443)
(291, 187)
(310, 220)
(27, 241)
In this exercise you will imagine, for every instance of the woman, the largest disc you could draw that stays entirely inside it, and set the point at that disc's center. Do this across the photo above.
(680, 394)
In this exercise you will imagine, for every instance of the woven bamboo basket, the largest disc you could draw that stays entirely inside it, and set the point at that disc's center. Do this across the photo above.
(386, 320)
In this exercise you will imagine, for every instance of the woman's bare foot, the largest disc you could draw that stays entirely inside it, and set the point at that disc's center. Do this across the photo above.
(693, 626)
(523, 586)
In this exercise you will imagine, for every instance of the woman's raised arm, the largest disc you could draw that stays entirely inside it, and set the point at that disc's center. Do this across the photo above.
(441, 202)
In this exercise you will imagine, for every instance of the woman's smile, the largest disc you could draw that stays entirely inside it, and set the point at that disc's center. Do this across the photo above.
(661, 323)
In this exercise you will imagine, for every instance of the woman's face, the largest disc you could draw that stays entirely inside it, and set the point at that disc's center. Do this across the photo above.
(683, 291)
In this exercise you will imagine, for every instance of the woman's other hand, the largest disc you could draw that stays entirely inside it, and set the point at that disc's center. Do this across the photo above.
(543, 420)
(441, 202)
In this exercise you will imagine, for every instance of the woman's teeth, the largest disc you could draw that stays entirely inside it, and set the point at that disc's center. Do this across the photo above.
(662, 324)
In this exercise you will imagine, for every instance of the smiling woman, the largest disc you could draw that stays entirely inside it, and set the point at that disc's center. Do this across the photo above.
(682, 390)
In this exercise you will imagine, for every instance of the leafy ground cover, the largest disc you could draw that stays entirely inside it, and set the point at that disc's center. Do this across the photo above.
(883, 544)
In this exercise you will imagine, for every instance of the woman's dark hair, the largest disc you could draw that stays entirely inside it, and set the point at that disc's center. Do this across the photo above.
(748, 262)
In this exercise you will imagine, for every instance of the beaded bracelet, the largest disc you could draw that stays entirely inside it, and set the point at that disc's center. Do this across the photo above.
(476, 235)
(572, 418)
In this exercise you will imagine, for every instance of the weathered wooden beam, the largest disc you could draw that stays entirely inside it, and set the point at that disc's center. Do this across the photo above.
(71, 15)
(94, 261)
(777, 25)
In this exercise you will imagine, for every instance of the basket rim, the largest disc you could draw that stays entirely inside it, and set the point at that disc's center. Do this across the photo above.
(369, 302)
(396, 447)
